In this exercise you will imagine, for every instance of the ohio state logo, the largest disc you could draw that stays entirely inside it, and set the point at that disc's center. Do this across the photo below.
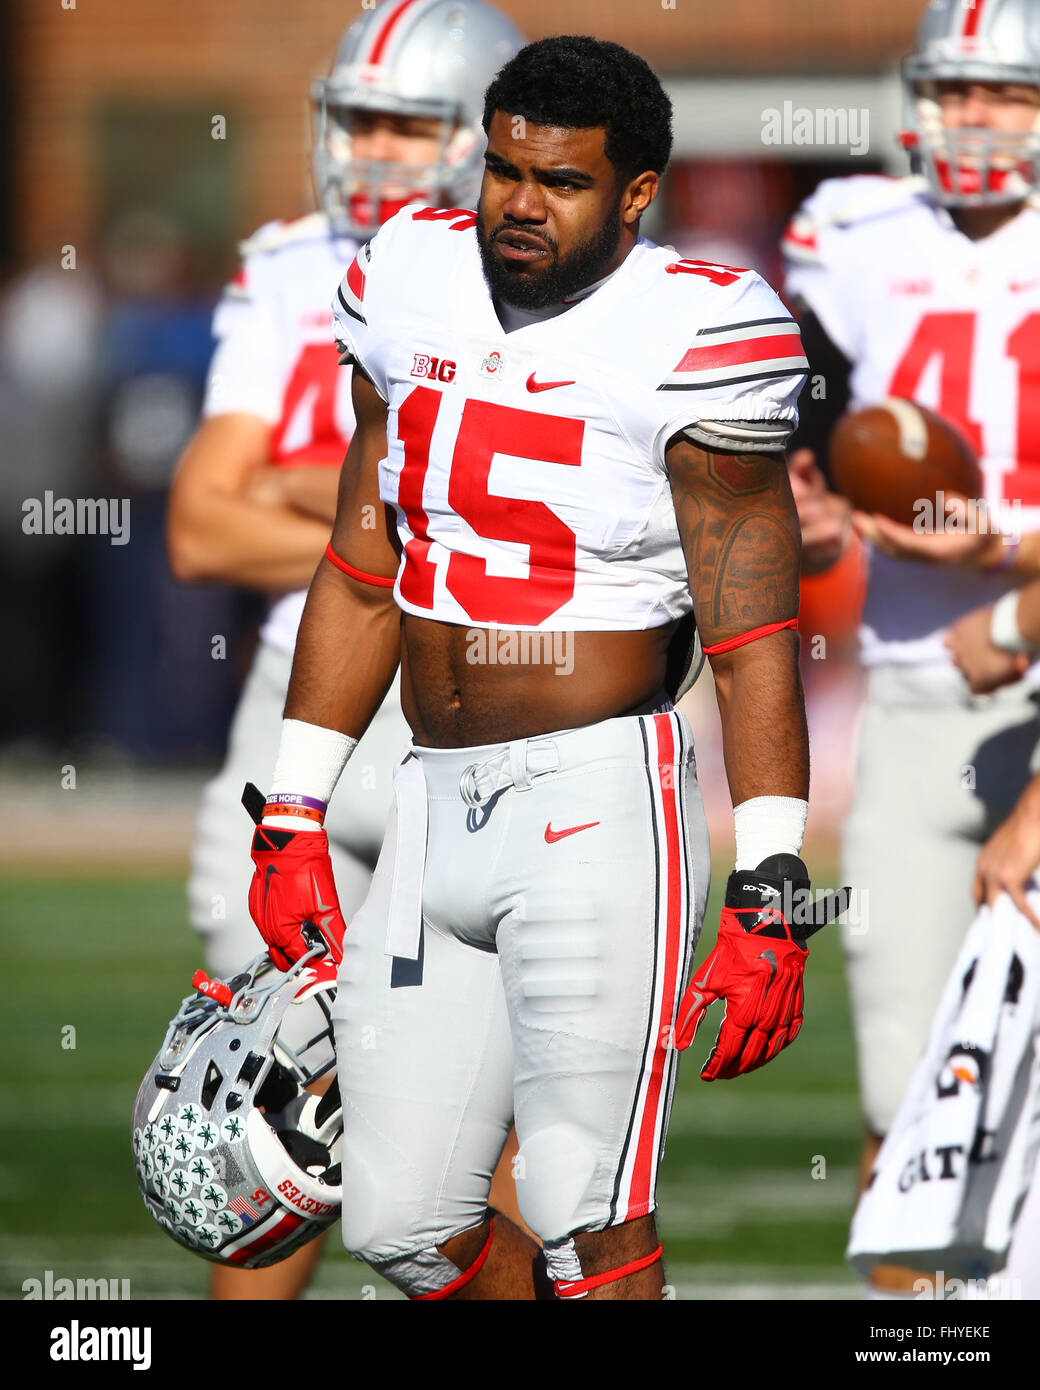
(436, 368)
(492, 365)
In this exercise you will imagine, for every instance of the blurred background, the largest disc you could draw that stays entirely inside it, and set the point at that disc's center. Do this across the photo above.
(122, 198)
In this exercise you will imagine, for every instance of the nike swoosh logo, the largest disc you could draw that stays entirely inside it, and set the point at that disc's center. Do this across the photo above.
(267, 881)
(770, 959)
(533, 385)
(317, 896)
(551, 835)
(702, 983)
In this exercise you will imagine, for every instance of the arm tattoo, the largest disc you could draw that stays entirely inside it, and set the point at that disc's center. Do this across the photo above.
(739, 531)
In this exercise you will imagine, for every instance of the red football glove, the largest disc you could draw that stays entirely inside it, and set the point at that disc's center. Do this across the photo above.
(293, 887)
(756, 967)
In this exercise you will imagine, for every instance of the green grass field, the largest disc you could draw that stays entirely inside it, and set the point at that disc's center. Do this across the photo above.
(741, 1213)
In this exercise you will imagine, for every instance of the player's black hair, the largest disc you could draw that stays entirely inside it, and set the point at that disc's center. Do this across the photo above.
(579, 82)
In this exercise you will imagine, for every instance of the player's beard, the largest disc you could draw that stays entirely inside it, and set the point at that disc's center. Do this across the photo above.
(537, 289)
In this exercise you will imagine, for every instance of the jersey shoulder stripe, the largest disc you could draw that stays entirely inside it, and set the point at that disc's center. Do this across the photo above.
(731, 354)
(351, 291)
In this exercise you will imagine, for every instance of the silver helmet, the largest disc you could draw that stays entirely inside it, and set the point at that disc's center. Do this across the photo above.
(973, 41)
(236, 1159)
(432, 58)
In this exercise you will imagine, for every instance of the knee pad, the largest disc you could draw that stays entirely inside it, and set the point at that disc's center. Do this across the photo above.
(366, 1217)
(554, 1170)
(383, 1222)
(427, 1274)
(568, 1278)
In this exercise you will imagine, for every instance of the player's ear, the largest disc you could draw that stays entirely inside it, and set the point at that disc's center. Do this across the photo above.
(639, 194)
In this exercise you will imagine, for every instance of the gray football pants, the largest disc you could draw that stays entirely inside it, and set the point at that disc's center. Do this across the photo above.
(937, 771)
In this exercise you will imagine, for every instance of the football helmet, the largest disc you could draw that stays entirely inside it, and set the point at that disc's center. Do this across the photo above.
(980, 41)
(430, 58)
(235, 1158)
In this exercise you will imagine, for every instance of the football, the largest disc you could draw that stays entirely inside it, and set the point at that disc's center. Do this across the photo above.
(894, 456)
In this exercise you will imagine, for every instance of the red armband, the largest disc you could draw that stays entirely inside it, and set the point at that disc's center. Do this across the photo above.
(755, 633)
(375, 579)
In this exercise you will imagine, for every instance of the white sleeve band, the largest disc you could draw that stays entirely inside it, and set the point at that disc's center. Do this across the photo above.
(758, 436)
(1004, 631)
(768, 825)
(310, 759)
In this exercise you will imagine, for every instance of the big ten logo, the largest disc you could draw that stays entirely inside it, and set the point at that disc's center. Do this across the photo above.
(668, 1292)
(435, 368)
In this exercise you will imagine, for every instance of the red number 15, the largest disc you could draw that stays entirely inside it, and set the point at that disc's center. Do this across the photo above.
(488, 429)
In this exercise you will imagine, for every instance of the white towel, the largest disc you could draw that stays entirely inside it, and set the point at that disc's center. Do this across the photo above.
(957, 1163)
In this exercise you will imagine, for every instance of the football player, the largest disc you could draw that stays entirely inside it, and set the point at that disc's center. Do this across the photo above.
(396, 122)
(568, 433)
(928, 288)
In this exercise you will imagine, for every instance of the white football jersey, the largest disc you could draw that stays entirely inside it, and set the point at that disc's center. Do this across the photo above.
(274, 360)
(527, 468)
(924, 313)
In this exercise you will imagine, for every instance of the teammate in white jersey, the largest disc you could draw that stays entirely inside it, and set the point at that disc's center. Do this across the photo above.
(575, 439)
(397, 122)
(928, 288)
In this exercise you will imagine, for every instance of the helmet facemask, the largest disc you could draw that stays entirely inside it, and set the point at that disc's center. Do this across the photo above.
(969, 166)
(359, 195)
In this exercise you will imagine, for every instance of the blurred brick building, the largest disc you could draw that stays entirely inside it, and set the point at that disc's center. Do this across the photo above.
(115, 102)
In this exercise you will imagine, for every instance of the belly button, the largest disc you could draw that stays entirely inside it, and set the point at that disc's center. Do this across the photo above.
(456, 701)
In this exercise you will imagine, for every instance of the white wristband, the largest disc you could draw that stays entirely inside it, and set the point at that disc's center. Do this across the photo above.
(1004, 631)
(767, 825)
(310, 760)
